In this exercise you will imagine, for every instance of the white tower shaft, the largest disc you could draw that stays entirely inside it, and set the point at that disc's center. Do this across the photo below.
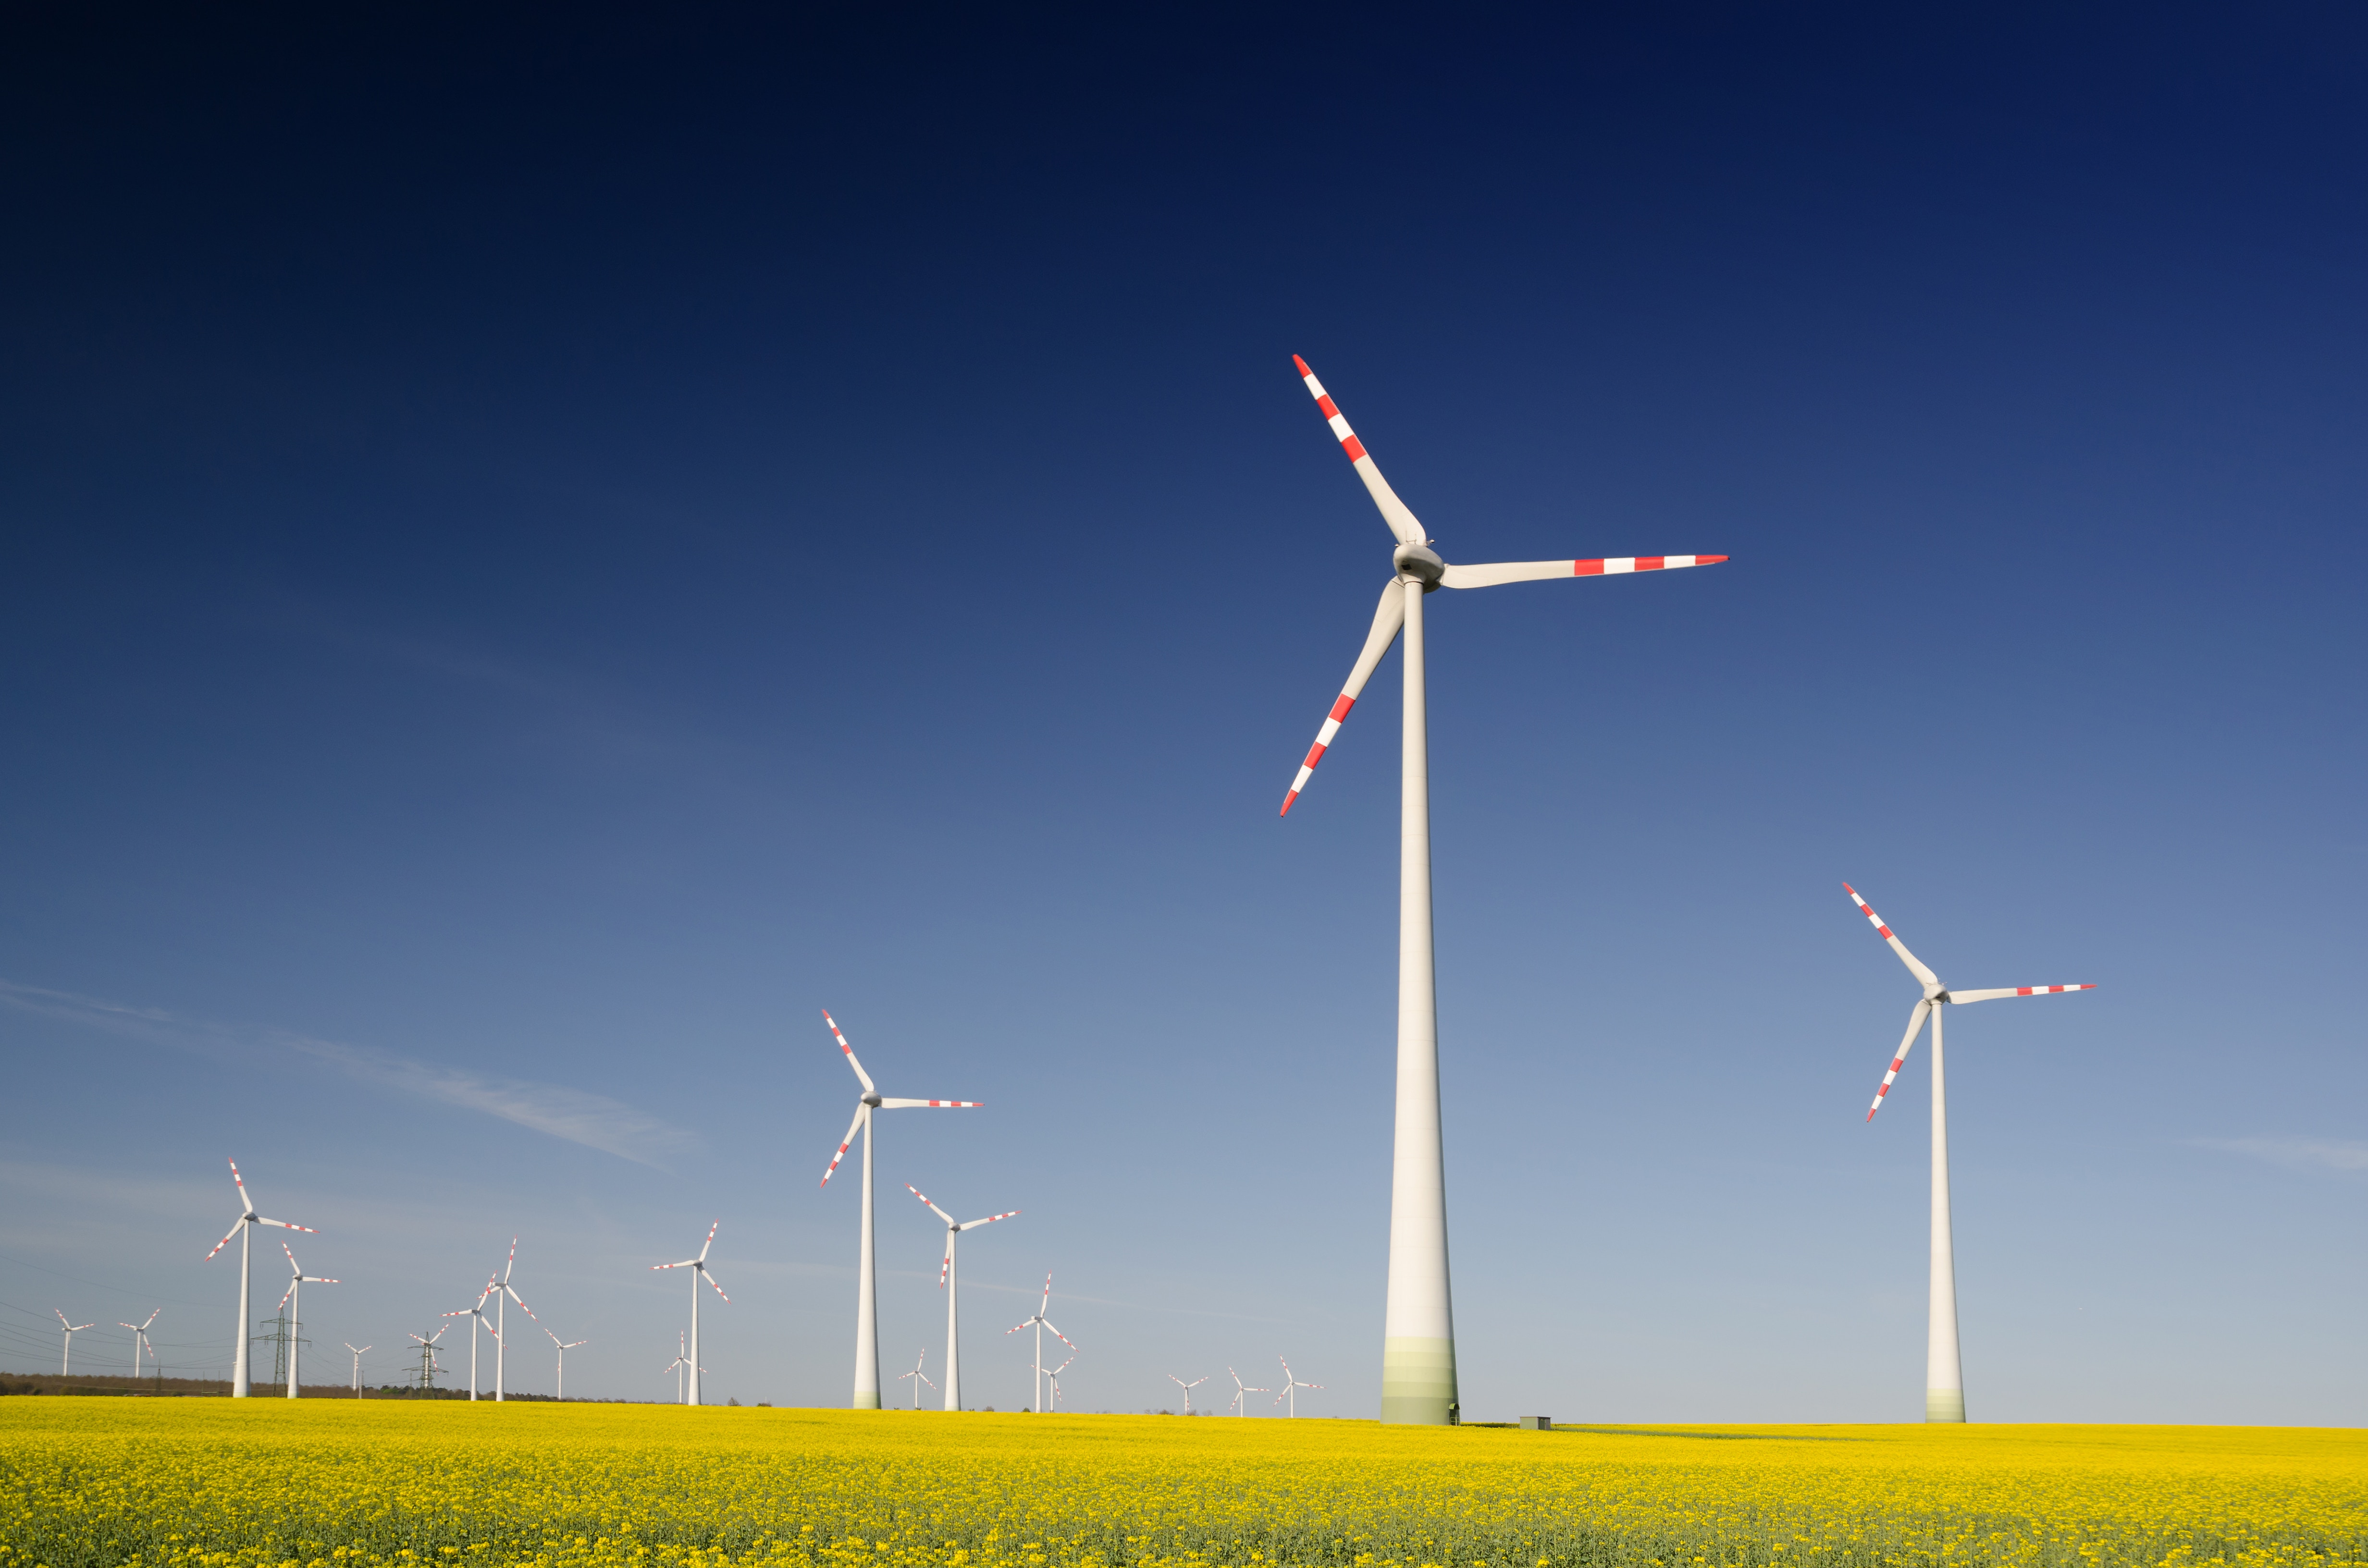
(1944, 1375)
(501, 1339)
(1418, 1324)
(240, 1366)
(867, 1296)
(694, 1337)
(954, 1327)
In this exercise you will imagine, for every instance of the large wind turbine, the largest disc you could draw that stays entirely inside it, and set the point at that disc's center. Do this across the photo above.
(293, 1299)
(1418, 1320)
(1040, 1323)
(503, 1297)
(244, 1231)
(951, 1284)
(1242, 1391)
(140, 1342)
(697, 1266)
(65, 1362)
(1944, 1373)
(867, 1314)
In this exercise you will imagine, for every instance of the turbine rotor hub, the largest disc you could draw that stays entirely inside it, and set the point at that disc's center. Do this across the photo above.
(1417, 561)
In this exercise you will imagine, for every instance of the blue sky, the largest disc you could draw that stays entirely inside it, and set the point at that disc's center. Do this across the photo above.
(546, 551)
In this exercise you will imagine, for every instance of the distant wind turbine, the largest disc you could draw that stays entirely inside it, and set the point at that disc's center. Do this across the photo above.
(1290, 1387)
(503, 1297)
(72, 1329)
(698, 1271)
(1188, 1389)
(1944, 1373)
(357, 1350)
(297, 1281)
(1242, 1392)
(139, 1340)
(949, 1282)
(681, 1360)
(244, 1231)
(1053, 1378)
(1419, 1382)
(866, 1313)
(1041, 1323)
(476, 1316)
(918, 1374)
(564, 1349)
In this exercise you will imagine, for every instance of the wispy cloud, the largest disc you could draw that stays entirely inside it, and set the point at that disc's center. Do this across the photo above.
(576, 1115)
(2296, 1153)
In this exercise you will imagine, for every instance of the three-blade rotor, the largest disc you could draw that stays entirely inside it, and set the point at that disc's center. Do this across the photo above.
(696, 1264)
(1414, 562)
(1935, 995)
(872, 1099)
(247, 1216)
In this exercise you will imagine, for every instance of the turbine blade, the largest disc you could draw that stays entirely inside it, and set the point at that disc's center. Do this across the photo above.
(946, 1266)
(862, 1076)
(1389, 617)
(1393, 511)
(709, 1241)
(991, 1219)
(1047, 1301)
(933, 1208)
(1915, 1022)
(227, 1239)
(2014, 991)
(1059, 1335)
(1915, 965)
(286, 1226)
(846, 1143)
(709, 1278)
(933, 1105)
(1490, 575)
(1015, 1328)
(244, 1203)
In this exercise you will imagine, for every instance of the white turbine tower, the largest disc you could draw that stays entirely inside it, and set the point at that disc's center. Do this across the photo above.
(950, 1283)
(867, 1314)
(697, 1266)
(65, 1363)
(1188, 1389)
(1242, 1391)
(293, 1298)
(140, 1341)
(1290, 1387)
(561, 1387)
(1944, 1373)
(502, 1296)
(1418, 1380)
(244, 1231)
(476, 1316)
(1040, 1323)
(1052, 1378)
(357, 1350)
(918, 1374)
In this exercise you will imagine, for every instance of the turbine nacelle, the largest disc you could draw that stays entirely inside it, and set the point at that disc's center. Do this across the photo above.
(1421, 564)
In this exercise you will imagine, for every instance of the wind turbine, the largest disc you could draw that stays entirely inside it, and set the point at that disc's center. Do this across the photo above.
(564, 1349)
(1188, 1389)
(139, 1341)
(681, 1360)
(476, 1316)
(952, 1286)
(1944, 1373)
(72, 1329)
(1242, 1391)
(1041, 1323)
(697, 1266)
(867, 1316)
(297, 1281)
(1290, 1387)
(1418, 1382)
(918, 1374)
(503, 1297)
(244, 1231)
(1053, 1378)
(357, 1350)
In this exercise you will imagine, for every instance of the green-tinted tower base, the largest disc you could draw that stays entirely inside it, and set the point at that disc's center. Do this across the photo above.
(1419, 1382)
(1941, 1404)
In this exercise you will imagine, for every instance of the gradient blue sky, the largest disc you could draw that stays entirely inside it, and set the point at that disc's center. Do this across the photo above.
(546, 549)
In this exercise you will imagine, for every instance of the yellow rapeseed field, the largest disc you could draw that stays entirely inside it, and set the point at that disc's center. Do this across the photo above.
(323, 1483)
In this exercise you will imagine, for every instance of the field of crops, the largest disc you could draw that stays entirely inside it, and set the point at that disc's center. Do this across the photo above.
(319, 1483)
